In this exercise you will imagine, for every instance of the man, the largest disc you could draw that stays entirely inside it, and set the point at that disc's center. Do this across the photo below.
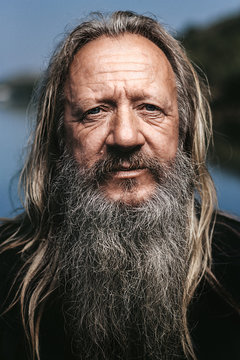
(112, 257)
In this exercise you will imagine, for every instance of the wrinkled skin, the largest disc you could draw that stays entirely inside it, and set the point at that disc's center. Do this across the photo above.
(121, 98)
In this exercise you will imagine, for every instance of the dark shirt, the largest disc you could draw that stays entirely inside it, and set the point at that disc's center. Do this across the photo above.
(214, 323)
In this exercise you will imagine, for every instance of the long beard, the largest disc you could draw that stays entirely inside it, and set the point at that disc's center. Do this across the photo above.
(123, 269)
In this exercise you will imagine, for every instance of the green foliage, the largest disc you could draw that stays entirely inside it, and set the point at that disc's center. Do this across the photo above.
(216, 50)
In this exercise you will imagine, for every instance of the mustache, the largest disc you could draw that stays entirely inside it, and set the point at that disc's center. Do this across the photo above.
(122, 272)
(103, 168)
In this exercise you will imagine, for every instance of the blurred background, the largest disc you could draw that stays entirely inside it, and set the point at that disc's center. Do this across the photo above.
(210, 31)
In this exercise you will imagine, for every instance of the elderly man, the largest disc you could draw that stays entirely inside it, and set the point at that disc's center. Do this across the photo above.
(112, 257)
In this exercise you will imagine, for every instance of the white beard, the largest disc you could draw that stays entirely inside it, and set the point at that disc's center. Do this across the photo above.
(123, 269)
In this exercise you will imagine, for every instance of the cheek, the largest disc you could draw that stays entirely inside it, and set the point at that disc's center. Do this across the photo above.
(86, 145)
(164, 141)
(169, 145)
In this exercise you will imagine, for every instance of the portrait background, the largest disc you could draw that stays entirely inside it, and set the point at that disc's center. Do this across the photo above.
(30, 30)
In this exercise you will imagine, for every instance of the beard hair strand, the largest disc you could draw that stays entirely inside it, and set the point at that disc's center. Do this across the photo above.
(123, 268)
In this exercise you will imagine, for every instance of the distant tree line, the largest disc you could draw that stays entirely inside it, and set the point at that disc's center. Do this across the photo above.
(216, 50)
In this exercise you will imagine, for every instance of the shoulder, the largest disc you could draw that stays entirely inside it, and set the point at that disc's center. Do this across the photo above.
(226, 253)
(226, 230)
(10, 258)
(213, 320)
(226, 240)
(10, 261)
(13, 235)
(12, 338)
(12, 239)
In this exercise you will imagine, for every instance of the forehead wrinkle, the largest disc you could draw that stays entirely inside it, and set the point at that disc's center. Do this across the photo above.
(102, 77)
(121, 56)
(106, 92)
(119, 75)
(100, 82)
(120, 71)
(125, 66)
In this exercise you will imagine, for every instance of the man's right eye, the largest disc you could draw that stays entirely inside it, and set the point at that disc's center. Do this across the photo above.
(89, 114)
(93, 111)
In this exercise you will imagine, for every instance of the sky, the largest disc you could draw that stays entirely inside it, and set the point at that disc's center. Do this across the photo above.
(30, 29)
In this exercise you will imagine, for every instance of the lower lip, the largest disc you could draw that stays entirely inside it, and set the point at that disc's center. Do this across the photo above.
(128, 174)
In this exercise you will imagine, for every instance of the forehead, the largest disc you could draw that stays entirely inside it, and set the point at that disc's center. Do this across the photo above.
(126, 58)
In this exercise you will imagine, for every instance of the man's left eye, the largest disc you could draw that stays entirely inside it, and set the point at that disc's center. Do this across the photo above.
(93, 111)
(150, 107)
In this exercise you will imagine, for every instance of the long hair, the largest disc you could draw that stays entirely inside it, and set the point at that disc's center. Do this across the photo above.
(33, 228)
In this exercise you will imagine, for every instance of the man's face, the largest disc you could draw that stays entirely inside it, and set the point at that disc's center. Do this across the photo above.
(121, 99)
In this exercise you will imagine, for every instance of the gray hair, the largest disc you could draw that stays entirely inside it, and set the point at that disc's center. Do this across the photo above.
(48, 145)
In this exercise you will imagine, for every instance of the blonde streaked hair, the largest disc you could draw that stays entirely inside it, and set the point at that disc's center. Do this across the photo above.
(30, 231)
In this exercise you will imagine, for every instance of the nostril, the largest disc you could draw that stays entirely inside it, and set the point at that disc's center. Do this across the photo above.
(119, 149)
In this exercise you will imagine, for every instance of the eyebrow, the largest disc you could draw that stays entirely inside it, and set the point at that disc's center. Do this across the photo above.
(163, 101)
(76, 110)
(77, 107)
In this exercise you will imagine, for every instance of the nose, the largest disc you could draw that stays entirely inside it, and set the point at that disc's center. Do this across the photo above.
(125, 133)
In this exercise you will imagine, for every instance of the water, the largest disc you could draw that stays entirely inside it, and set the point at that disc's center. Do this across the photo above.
(228, 190)
(13, 138)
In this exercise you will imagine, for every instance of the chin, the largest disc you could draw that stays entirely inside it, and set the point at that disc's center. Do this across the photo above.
(133, 196)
